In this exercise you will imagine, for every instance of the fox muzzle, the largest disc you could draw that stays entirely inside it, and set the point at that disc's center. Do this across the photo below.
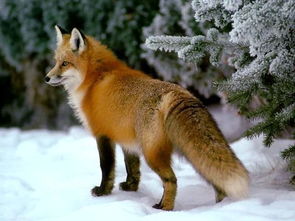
(54, 80)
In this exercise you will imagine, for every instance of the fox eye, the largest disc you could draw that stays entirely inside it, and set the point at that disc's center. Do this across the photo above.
(65, 63)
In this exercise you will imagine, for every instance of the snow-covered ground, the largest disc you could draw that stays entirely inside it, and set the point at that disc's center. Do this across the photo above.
(48, 176)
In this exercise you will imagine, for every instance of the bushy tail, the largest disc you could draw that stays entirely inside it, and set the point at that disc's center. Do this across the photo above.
(191, 128)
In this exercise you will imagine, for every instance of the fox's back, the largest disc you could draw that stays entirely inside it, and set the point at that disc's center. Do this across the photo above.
(118, 102)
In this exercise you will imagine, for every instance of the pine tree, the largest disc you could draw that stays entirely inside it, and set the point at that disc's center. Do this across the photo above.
(257, 38)
(176, 17)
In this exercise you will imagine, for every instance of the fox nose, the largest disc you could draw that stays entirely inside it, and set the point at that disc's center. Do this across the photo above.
(47, 79)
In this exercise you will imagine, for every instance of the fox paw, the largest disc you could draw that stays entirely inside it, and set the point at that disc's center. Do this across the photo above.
(99, 191)
(158, 206)
(128, 186)
(163, 207)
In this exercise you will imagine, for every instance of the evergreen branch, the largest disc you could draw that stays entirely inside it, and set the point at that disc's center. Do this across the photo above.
(286, 114)
(195, 48)
(289, 153)
(191, 53)
(258, 113)
(211, 11)
(241, 98)
(167, 43)
(256, 130)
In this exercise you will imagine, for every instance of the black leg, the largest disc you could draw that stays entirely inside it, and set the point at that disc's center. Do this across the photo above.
(107, 164)
(132, 164)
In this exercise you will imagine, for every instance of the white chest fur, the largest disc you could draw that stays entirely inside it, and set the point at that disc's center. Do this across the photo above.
(75, 100)
(75, 97)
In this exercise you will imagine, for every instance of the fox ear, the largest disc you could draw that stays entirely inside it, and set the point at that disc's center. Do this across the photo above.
(59, 33)
(77, 41)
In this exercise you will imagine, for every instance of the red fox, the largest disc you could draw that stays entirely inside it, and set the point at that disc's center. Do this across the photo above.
(145, 116)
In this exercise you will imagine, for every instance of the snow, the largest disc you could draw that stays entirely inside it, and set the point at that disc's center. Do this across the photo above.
(48, 175)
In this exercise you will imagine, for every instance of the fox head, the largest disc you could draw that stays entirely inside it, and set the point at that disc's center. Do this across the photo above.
(79, 59)
(69, 57)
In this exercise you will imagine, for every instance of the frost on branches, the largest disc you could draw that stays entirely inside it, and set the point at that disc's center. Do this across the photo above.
(257, 38)
(177, 17)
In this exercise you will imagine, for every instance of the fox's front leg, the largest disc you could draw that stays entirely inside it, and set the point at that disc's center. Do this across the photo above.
(107, 164)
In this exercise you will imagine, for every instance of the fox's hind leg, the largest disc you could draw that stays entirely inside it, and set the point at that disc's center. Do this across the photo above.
(107, 164)
(157, 150)
(158, 158)
(132, 164)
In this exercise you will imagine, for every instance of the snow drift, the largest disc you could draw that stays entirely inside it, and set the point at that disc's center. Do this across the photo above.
(48, 176)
